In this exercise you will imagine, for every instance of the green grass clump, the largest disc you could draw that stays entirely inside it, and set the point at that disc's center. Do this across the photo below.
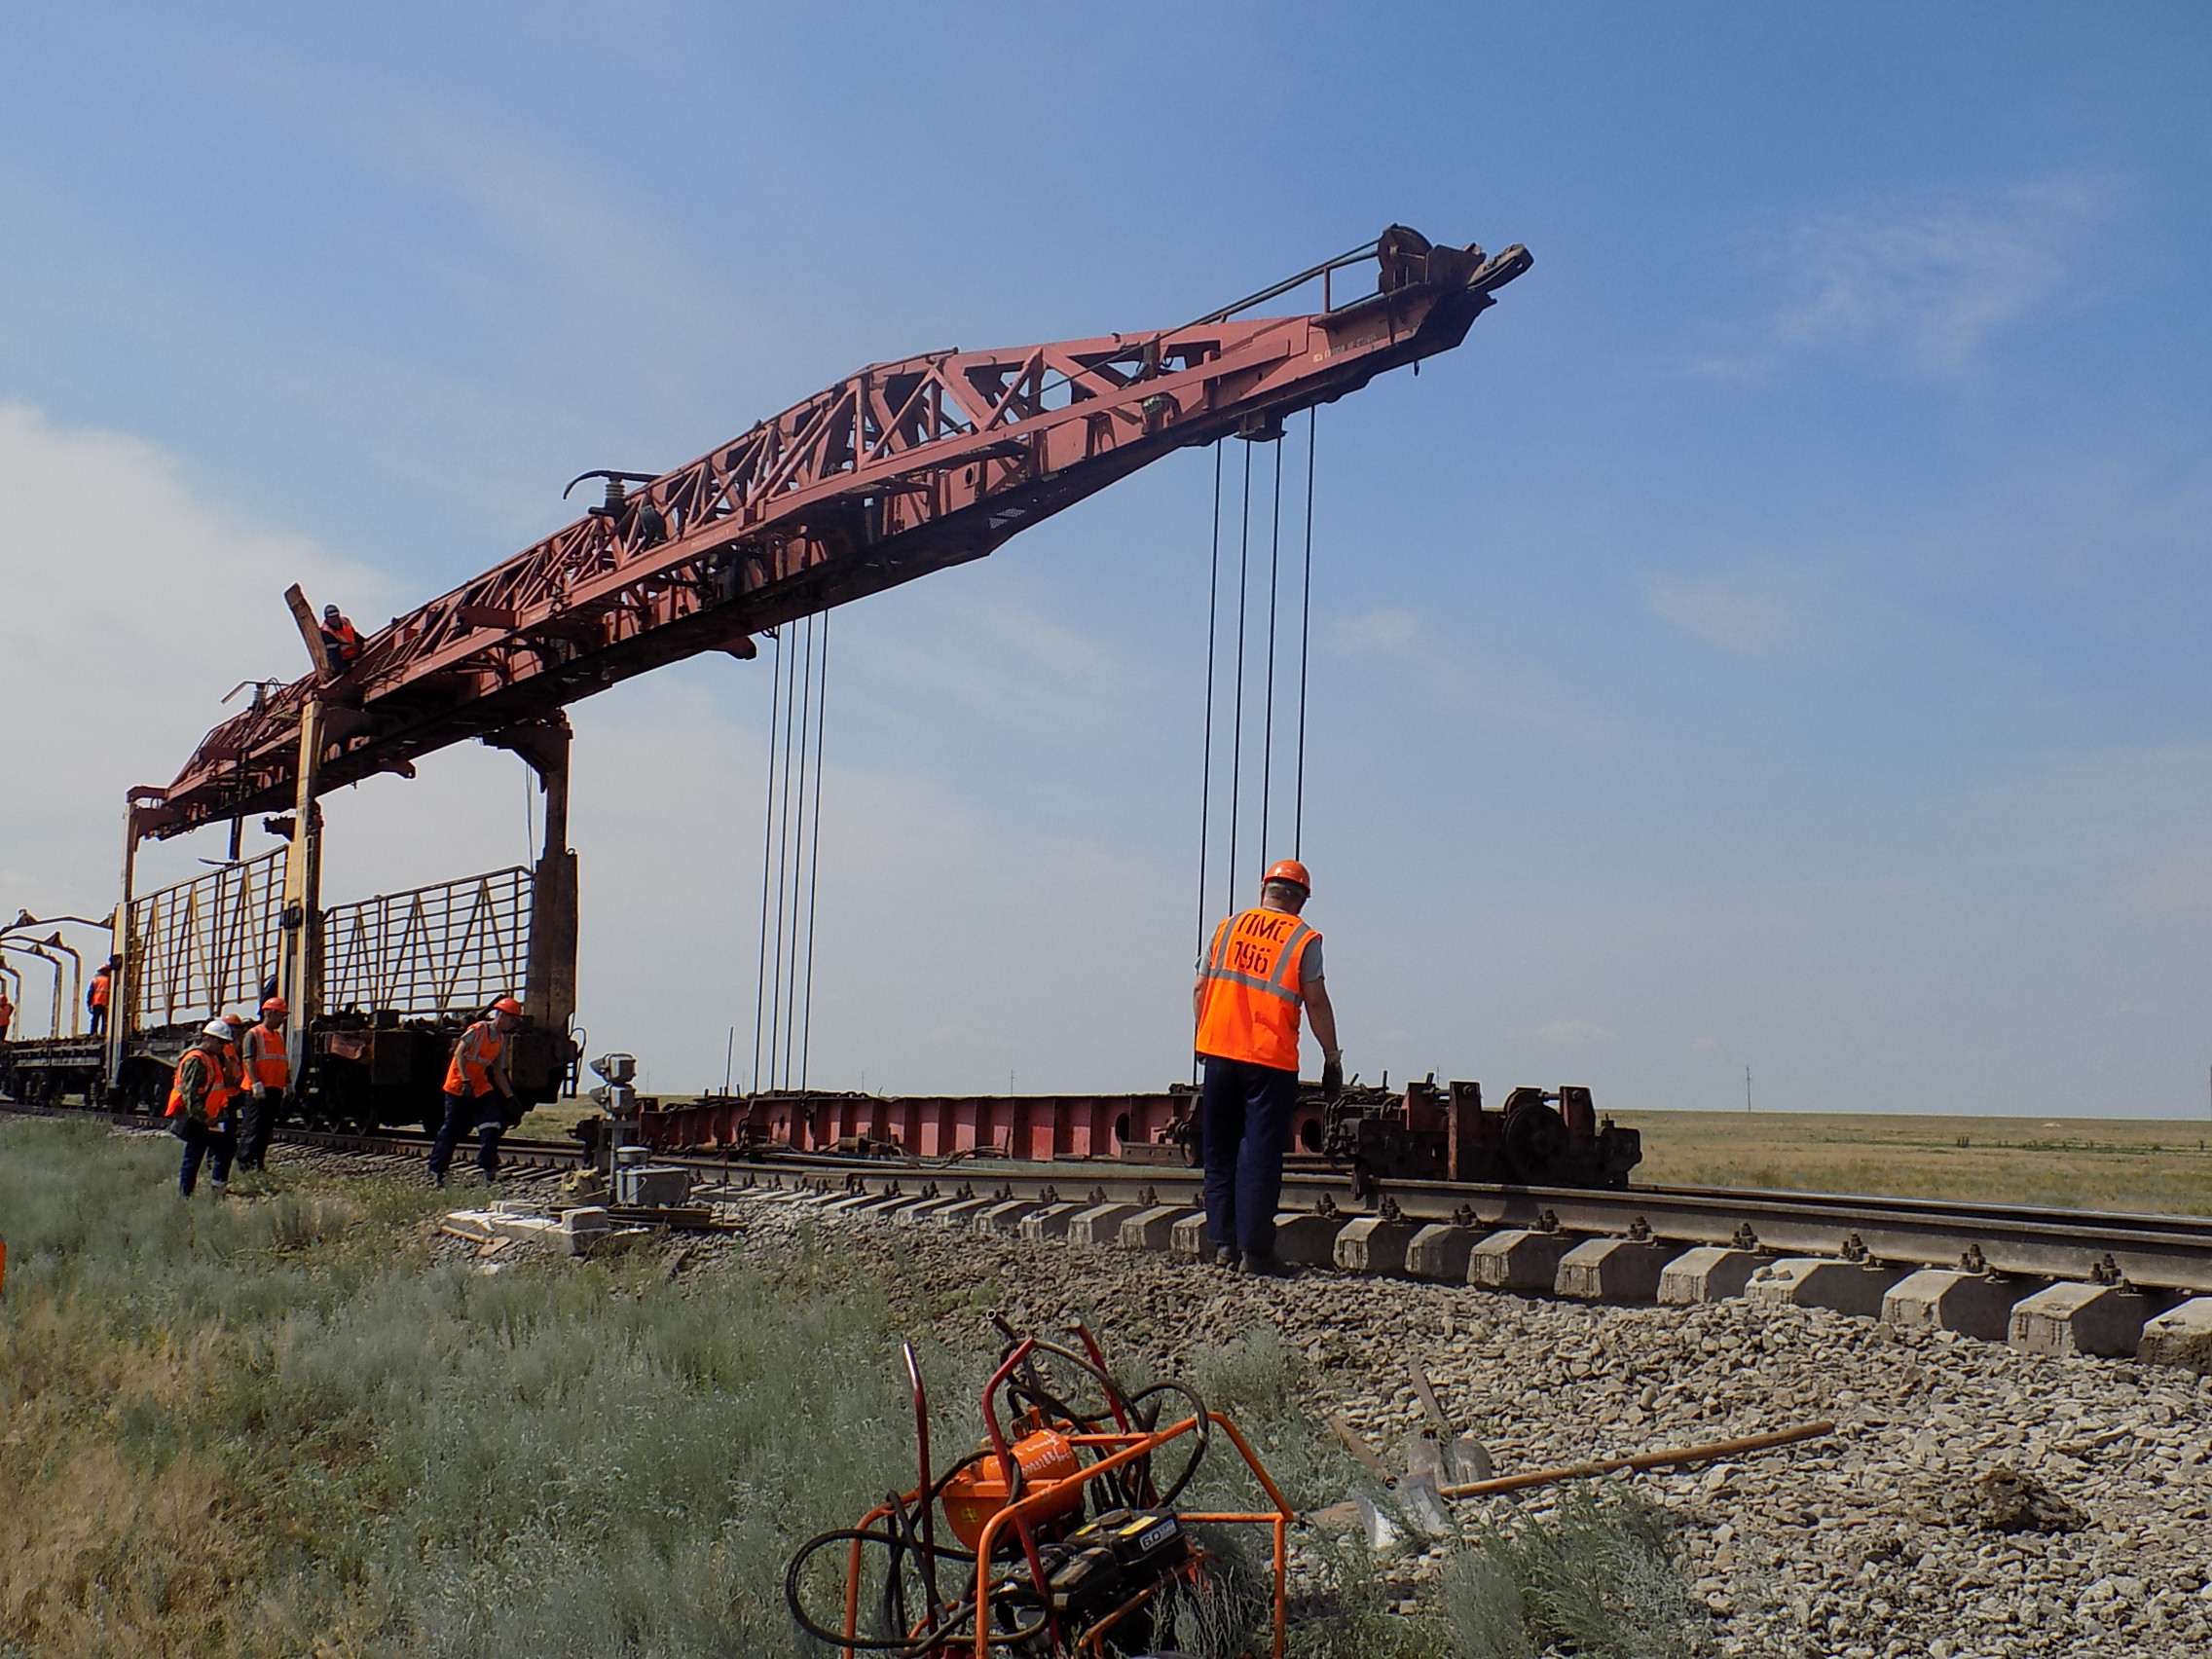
(1599, 1577)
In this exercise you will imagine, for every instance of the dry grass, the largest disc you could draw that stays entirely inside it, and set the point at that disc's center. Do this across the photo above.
(279, 1426)
(553, 1121)
(2152, 1166)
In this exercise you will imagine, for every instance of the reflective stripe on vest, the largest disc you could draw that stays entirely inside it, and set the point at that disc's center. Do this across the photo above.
(264, 1059)
(1252, 992)
(469, 1070)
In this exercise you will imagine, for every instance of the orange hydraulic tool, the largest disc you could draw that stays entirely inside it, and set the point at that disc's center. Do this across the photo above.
(1068, 1537)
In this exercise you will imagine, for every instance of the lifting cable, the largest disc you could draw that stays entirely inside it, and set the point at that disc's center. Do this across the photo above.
(1205, 766)
(1305, 638)
(1236, 717)
(1248, 663)
(791, 856)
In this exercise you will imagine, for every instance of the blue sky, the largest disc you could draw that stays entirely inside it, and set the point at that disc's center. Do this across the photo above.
(1771, 641)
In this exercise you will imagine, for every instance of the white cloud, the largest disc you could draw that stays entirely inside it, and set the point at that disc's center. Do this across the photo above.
(128, 608)
(1385, 631)
(1570, 1033)
(1931, 278)
(1006, 662)
(1739, 623)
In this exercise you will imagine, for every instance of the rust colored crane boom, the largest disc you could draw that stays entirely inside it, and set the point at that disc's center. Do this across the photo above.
(893, 472)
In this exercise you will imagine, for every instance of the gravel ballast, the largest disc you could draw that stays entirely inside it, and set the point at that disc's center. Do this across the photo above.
(1878, 1542)
(1874, 1543)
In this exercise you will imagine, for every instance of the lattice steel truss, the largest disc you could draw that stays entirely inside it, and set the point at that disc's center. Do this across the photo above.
(432, 950)
(897, 471)
(207, 944)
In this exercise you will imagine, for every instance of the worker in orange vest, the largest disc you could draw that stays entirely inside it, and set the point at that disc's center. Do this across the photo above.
(1262, 966)
(339, 638)
(267, 1073)
(200, 1109)
(478, 1092)
(7, 1013)
(103, 989)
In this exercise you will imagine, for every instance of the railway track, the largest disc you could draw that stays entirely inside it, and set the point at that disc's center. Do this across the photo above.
(2161, 1253)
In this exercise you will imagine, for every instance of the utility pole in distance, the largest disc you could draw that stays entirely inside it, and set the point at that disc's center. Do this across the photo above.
(1746, 1089)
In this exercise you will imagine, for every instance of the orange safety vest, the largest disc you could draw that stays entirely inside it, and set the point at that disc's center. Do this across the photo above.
(1252, 997)
(264, 1059)
(218, 1087)
(469, 1070)
(99, 996)
(345, 640)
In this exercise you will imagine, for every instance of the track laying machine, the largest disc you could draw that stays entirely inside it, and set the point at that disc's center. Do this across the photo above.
(896, 471)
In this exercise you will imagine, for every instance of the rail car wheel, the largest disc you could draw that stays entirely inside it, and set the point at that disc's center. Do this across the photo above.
(1536, 1144)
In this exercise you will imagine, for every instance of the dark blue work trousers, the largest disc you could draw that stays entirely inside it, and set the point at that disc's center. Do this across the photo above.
(215, 1144)
(1246, 1118)
(487, 1112)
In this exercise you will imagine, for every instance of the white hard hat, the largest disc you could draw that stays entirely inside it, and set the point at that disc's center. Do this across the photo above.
(217, 1028)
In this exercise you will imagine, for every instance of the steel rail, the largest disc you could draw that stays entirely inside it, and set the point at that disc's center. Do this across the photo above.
(2154, 1253)
(2157, 1252)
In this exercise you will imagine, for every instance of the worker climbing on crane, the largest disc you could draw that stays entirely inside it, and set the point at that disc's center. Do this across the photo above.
(478, 1091)
(269, 1080)
(1262, 966)
(100, 993)
(200, 1109)
(339, 638)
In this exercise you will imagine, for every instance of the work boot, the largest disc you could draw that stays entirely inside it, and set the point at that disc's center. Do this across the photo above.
(1268, 1266)
(221, 1189)
(1226, 1256)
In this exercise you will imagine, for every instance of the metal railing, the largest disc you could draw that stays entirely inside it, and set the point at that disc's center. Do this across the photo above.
(431, 950)
(208, 944)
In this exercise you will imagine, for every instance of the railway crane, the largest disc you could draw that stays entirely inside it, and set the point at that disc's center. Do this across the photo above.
(896, 470)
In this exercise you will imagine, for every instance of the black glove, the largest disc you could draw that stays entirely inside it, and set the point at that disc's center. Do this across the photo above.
(1333, 1075)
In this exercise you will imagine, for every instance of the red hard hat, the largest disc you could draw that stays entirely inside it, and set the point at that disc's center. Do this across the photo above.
(274, 1005)
(506, 1004)
(234, 1019)
(1289, 869)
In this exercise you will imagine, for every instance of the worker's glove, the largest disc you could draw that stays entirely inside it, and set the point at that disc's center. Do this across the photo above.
(261, 1094)
(1333, 1074)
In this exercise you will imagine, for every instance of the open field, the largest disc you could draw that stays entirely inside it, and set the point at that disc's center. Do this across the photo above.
(2155, 1164)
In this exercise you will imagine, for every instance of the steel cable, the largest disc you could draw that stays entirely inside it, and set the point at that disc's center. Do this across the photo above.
(790, 860)
(777, 1001)
(814, 859)
(805, 678)
(1304, 637)
(1267, 736)
(1205, 764)
(767, 855)
(1236, 723)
